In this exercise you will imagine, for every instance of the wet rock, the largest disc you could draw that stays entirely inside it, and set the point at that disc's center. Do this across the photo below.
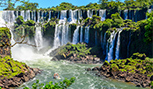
(127, 79)
(88, 69)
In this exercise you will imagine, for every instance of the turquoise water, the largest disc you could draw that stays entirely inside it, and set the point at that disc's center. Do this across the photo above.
(84, 79)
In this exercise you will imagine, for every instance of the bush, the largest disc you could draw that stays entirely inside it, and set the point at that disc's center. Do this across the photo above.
(62, 85)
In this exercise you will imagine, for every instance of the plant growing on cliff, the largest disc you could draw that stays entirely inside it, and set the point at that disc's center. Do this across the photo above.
(62, 85)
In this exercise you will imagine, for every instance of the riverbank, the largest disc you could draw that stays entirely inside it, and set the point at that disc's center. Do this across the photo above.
(14, 73)
(137, 69)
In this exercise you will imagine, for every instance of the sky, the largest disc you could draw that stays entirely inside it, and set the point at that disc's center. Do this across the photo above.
(50, 3)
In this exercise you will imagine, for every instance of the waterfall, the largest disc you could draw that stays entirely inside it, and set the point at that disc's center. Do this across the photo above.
(89, 13)
(96, 38)
(111, 40)
(22, 14)
(63, 17)
(65, 29)
(16, 14)
(42, 16)
(81, 34)
(2, 22)
(28, 15)
(34, 16)
(86, 37)
(8, 16)
(80, 14)
(118, 46)
(76, 35)
(50, 14)
(38, 38)
(125, 14)
(73, 16)
(38, 16)
(102, 14)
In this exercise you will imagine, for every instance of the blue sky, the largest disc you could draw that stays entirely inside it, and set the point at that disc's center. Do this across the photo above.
(50, 3)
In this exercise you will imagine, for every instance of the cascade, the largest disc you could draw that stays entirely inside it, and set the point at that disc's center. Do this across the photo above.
(16, 14)
(42, 16)
(96, 38)
(125, 14)
(81, 34)
(102, 14)
(89, 13)
(27, 15)
(49, 15)
(118, 46)
(63, 17)
(111, 40)
(8, 16)
(22, 14)
(34, 16)
(86, 37)
(76, 35)
(73, 16)
(80, 14)
(65, 29)
(38, 16)
(38, 38)
(2, 22)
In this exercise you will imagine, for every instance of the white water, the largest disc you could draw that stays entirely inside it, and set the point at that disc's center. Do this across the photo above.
(2, 22)
(28, 15)
(86, 37)
(38, 16)
(63, 17)
(81, 34)
(111, 40)
(73, 16)
(89, 13)
(49, 15)
(76, 35)
(102, 14)
(80, 14)
(117, 53)
(125, 14)
(38, 38)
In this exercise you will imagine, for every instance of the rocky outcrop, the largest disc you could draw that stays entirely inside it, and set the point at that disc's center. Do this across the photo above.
(138, 71)
(19, 79)
(78, 53)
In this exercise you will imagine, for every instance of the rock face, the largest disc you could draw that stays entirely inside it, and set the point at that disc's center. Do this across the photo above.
(20, 78)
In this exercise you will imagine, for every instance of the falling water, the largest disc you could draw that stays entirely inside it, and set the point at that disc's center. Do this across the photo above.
(2, 22)
(38, 16)
(81, 34)
(28, 15)
(73, 16)
(16, 14)
(42, 16)
(102, 14)
(76, 35)
(22, 14)
(111, 40)
(38, 38)
(89, 13)
(49, 15)
(86, 37)
(34, 15)
(80, 14)
(118, 46)
(63, 17)
(125, 14)
(65, 30)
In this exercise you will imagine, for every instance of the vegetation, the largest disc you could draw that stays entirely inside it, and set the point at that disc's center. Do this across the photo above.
(80, 50)
(10, 68)
(62, 85)
(138, 63)
(24, 28)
